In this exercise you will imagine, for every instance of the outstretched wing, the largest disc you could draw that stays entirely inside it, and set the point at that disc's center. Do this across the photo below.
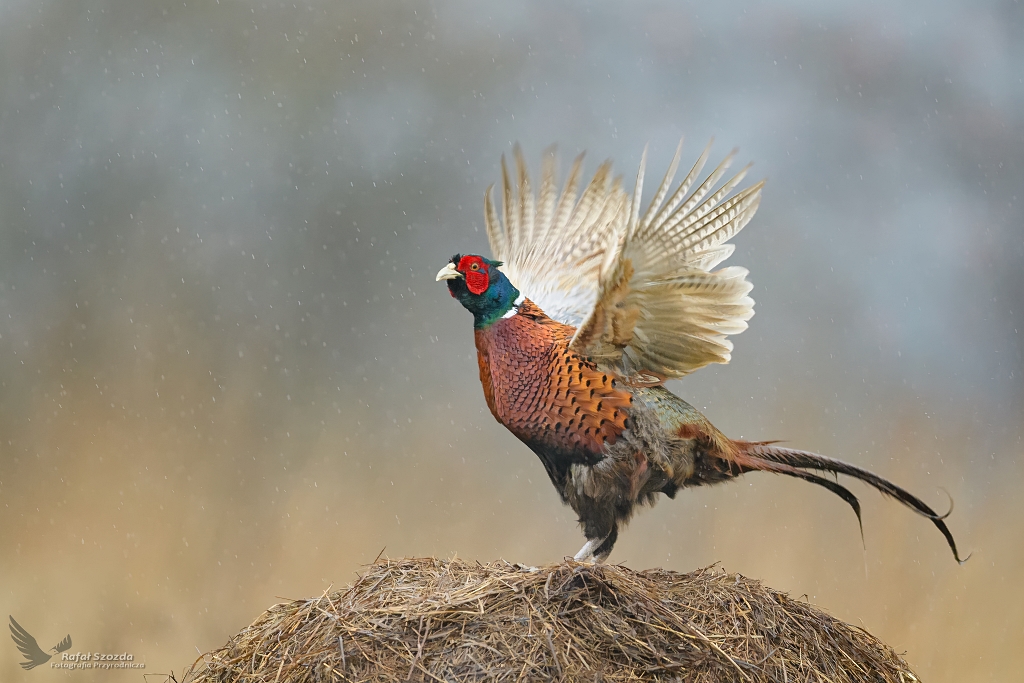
(64, 644)
(27, 645)
(660, 307)
(639, 290)
(552, 246)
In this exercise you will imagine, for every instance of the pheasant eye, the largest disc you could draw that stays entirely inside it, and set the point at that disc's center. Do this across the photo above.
(475, 266)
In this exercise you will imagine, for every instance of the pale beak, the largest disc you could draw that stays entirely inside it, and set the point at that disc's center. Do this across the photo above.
(448, 273)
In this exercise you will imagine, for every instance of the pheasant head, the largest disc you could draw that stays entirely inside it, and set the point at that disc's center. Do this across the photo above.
(480, 287)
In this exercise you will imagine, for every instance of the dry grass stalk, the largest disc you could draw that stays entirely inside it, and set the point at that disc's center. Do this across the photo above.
(449, 620)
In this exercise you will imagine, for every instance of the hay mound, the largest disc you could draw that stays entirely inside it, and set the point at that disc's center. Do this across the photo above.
(450, 620)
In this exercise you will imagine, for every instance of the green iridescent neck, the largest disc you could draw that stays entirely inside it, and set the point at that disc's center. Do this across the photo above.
(489, 307)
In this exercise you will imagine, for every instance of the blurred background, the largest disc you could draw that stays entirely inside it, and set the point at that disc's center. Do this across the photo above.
(227, 375)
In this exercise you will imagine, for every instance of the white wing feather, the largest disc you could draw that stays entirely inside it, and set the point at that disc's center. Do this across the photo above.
(638, 288)
(553, 254)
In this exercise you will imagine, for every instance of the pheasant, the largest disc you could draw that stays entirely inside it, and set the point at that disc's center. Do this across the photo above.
(590, 306)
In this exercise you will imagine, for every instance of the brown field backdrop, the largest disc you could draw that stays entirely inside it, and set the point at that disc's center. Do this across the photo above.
(227, 373)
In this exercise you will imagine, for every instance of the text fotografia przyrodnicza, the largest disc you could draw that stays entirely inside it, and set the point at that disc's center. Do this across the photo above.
(97, 660)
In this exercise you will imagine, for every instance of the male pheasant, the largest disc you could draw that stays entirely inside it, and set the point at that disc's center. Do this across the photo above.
(589, 306)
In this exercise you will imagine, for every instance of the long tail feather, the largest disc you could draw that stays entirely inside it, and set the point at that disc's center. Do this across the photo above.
(761, 454)
(748, 462)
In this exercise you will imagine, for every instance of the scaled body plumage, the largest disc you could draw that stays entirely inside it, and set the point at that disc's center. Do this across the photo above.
(556, 401)
(591, 307)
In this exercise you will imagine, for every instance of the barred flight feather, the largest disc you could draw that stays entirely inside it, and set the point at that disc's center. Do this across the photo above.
(637, 285)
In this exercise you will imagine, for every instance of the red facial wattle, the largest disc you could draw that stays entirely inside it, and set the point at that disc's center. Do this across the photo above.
(474, 269)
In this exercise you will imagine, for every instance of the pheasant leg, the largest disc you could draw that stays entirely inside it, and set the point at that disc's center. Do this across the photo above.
(586, 553)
